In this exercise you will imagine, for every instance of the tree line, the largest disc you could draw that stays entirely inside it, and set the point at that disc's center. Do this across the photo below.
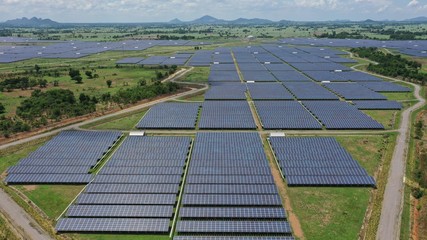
(391, 65)
(57, 104)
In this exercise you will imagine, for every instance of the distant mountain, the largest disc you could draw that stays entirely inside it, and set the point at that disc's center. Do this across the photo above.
(32, 22)
(212, 20)
(417, 19)
(175, 21)
(207, 20)
(251, 21)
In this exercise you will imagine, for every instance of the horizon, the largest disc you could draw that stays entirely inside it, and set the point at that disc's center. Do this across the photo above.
(144, 11)
(220, 19)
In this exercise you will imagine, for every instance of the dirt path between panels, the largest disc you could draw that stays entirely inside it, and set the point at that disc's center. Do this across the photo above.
(281, 187)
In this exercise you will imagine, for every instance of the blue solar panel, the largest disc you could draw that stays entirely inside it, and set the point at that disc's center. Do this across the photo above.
(132, 188)
(118, 211)
(71, 153)
(258, 76)
(290, 76)
(223, 67)
(317, 161)
(234, 227)
(354, 91)
(130, 60)
(226, 91)
(170, 116)
(385, 87)
(309, 91)
(230, 200)
(378, 105)
(269, 91)
(279, 67)
(223, 76)
(251, 67)
(111, 225)
(231, 213)
(341, 115)
(230, 189)
(226, 115)
(285, 115)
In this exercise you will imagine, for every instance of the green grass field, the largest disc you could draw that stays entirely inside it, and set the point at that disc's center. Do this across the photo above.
(128, 123)
(52, 199)
(388, 118)
(197, 75)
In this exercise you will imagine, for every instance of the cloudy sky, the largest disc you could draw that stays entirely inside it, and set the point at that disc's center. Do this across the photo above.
(165, 10)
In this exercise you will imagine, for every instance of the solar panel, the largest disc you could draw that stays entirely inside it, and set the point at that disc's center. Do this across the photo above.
(378, 105)
(223, 76)
(130, 60)
(317, 161)
(132, 188)
(226, 115)
(159, 116)
(234, 227)
(205, 170)
(290, 76)
(226, 91)
(354, 91)
(385, 87)
(126, 199)
(120, 211)
(269, 91)
(279, 67)
(230, 189)
(341, 115)
(231, 213)
(258, 76)
(215, 179)
(309, 91)
(25, 178)
(60, 157)
(129, 225)
(107, 170)
(285, 115)
(137, 179)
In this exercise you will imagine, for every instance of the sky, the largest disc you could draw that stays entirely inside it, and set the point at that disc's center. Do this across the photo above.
(106, 11)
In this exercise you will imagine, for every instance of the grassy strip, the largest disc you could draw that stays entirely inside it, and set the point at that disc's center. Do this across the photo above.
(388, 118)
(117, 120)
(405, 228)
(6, 232)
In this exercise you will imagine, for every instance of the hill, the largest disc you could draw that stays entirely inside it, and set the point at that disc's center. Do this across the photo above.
(32, 22)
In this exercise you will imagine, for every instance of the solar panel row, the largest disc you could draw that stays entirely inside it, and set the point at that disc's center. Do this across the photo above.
(341, 115)
(159, 116)
(135, 199)
(224, 194)
(317, 161)
(66, 159)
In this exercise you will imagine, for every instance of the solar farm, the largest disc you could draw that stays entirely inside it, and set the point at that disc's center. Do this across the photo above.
(275, 118)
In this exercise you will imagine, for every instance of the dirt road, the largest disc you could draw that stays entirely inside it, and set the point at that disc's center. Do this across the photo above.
(28, 228)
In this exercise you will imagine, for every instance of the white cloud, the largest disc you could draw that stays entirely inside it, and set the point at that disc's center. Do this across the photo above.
(413, 3)
(332, 4)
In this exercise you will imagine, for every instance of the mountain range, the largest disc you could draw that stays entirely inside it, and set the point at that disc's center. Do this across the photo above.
(205, 20)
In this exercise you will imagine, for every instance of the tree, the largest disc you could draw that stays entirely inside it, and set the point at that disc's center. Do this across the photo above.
(43, 83)
(55, 83)
(89, 74)
(2, 108)
(109, 82)
(78, 79)
(142, 82)
(37, 68)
